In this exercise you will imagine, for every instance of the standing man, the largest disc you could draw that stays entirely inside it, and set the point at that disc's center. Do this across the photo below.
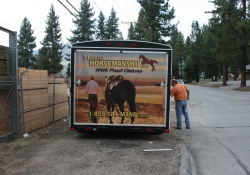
(180, 92)
(94, 92)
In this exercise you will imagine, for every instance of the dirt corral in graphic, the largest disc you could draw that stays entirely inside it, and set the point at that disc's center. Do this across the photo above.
(146, 113)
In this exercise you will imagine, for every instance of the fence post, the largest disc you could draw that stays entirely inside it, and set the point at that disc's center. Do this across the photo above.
(53, 107)
(21, 87)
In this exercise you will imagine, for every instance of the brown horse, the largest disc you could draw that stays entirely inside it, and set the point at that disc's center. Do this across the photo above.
(118, 91)
(148, 61)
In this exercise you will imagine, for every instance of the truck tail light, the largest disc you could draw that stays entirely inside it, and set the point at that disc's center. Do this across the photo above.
(88, 129)
(150, 130)
(166, 130)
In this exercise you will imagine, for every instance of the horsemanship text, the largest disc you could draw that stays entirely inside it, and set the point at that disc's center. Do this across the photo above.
(98, 61)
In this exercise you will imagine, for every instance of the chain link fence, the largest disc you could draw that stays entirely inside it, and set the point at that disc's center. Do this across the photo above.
(29, 99)
(9, 121)
(37, 107)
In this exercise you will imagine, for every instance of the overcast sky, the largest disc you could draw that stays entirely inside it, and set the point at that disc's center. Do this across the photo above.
(12, 13)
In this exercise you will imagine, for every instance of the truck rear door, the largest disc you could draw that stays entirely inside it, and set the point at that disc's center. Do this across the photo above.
(147, 66)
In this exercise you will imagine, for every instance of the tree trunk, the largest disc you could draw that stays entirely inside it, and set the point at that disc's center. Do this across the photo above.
(243, 74)
(244, 50)
(235, 76)
(226, 72)
(224, 75)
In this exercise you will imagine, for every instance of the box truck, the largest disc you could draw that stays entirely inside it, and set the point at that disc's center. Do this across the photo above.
(134, 79)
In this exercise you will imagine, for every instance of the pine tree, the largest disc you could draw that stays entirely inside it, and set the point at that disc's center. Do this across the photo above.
(111, 25)
(196, 48)
(139, 32)
(189, 69)
(50, 55)
(85, 26)
(156, 19)
(178, 46)
(230, 29)
(25, 45)
(101, 30)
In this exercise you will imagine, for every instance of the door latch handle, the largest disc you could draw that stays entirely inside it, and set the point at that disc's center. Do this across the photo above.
(78, 82)
(162, 84)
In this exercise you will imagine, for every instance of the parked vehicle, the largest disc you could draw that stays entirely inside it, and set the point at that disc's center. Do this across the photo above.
(136, 72)
(180, 81)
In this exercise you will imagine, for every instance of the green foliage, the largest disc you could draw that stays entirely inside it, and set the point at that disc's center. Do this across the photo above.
(67, 58)
(196, 48)
(101, 28)
(111, 26)
(85, 26)
(154, 21)
(230, 24)
(25, 45)
(178, 45)
(50, 55)
(189, 69)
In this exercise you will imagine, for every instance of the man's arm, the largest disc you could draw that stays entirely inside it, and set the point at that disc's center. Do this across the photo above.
(87, 89)
(188, 92)
(172, 92)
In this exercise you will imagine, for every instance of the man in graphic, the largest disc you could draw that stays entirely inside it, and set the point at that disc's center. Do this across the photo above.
(94, 93)
(180, 92)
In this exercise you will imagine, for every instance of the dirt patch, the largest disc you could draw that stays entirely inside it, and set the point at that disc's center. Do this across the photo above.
(57, 150)
(244, 89)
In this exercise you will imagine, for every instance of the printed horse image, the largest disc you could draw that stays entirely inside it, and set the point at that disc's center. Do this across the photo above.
(148, 61)
(118, 91)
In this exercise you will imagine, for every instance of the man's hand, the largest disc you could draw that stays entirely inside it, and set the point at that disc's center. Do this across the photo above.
(100, 100)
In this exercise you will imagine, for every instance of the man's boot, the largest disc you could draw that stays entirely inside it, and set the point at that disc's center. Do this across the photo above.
(94, 120)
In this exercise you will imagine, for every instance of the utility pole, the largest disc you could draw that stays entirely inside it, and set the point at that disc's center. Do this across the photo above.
(130, 28)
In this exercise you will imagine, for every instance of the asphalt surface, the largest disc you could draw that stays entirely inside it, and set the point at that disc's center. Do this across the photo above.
(219, 135)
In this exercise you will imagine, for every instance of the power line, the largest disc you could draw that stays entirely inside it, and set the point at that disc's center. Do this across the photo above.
(68, 10)
(72, 6)
(129, 10)
(97, 6)
(121, 10)
(135, 6)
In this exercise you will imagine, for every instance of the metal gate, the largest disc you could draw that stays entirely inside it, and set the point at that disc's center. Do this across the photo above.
(9, 118)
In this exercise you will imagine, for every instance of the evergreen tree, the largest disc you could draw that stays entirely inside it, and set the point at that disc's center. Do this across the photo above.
(50, 55)
(25, 45)
(85, 27)
(189, 69)
(101, 29)
(139, 32)
(112, 26)
(209, 61)
(178, 56)
(196, 48)
(67, 58)
(224, 31)
(231, 26)
(156, 19)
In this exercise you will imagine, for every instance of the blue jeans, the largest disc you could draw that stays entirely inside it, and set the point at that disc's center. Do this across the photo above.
(181, 108)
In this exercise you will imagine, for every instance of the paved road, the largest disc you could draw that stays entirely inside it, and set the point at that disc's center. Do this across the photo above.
(219, 141)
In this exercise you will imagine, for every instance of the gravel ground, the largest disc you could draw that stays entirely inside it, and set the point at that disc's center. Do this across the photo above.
(57, 150)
